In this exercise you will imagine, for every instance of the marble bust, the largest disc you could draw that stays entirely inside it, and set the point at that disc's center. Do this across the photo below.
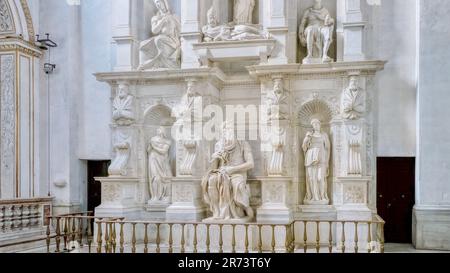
(352, 101)
(316, 33)
(123, 106)
(159, 170)
(317, 148)
(164, 49)
(225, 188)
(185, 109)
(277, 108)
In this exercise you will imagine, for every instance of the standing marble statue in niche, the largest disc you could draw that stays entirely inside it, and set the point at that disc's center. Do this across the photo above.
(352, 101)
(225, 188)
(123, 106)
(239, 30)
(317, 150)
(164, 49)
(277, 102)
(316, 33)
(159, 171)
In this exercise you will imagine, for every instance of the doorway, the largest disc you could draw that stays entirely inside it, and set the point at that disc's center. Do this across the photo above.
(96, 169)
(395, 197)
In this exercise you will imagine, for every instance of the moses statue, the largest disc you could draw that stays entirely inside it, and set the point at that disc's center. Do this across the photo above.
(225, 187)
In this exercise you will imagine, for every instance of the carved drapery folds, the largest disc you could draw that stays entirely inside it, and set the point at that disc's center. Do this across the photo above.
(241, 28)
(159, 169)
(316, 33)
(123, 106)
(122, 150)
(353, 100)
(163, 51)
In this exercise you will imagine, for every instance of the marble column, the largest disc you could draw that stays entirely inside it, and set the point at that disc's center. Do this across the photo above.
(124, 34)
(190, 32)
(351, 30)
(431, 218)
(276, 24)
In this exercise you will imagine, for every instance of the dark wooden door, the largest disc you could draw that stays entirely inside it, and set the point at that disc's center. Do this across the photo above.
(395, 198)
(96, 169)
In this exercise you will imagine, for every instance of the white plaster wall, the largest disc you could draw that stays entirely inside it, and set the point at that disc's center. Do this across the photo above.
(66, 91)
(95, 107)
(394, 29)
(433, 168)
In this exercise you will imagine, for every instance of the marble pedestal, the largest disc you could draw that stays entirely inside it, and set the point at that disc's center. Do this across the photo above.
(276, 203)
(187, 204)
(119, 197)
(231, 51)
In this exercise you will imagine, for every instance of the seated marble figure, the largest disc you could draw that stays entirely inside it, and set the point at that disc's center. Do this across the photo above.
(225, 188)
(316, 33)
(164, 49)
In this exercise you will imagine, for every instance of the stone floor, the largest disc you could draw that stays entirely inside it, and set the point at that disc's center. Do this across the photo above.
(405, 248)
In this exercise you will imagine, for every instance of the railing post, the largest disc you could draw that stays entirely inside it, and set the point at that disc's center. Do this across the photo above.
(58, 234)
(48, 235)
(99, 237)
(146, 238)
(330, 238)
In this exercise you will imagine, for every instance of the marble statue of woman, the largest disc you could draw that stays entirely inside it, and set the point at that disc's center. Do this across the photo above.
(243, 12)
(316, 33)
(164, 49)
(225, 188)
(352, 101)
(123, 112)
(317, 150)
(122, 149)
(159, 171)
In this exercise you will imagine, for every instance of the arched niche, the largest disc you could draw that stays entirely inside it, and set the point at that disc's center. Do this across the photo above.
(314, 109)
(15, 20)
(157, 116)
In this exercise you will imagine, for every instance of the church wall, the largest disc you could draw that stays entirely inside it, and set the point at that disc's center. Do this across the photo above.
(394, 28)
(95, 107)
(432, 210)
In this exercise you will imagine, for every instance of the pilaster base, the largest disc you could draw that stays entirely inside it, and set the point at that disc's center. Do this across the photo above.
(276, 203)
(431, 226)
(187, 200)
(119, 198)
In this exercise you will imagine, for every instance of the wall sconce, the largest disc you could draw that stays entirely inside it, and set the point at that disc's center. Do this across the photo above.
(49, 68)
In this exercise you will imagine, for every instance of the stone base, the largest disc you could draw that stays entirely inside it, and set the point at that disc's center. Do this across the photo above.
(431, 226)
(155, 210)
(187, 202)
(228, 222)
(276, 207)
(229, 51)
(317, 203)
(316, 61)
(119, 198)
